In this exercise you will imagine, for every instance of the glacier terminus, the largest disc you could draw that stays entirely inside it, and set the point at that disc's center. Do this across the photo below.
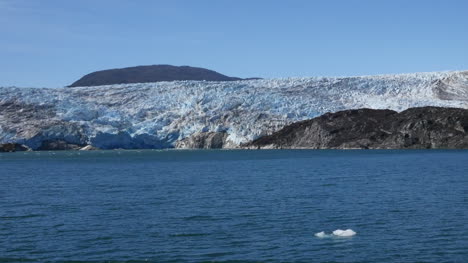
(216, 114)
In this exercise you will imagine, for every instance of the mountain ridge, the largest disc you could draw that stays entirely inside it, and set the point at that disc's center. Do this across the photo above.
(149, 74)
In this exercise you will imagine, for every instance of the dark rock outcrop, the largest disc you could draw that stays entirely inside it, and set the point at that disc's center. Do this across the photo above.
(13, 147)
(58, 145)
(203, 140)
(415, 128)
(154, 73)
(443, 87)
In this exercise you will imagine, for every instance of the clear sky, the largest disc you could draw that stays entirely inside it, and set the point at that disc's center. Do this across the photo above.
(51, 43)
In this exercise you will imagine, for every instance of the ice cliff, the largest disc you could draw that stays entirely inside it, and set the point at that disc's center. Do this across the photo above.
(164, 114)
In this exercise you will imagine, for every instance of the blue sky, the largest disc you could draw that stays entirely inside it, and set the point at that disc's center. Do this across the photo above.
(49, 43)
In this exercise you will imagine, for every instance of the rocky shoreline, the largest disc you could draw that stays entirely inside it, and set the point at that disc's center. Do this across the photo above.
(48, 146)
(414, 128)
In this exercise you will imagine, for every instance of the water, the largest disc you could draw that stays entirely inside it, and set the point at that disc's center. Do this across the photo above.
(219, 206)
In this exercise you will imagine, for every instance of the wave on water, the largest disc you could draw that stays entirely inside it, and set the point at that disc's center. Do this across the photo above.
(336, 233)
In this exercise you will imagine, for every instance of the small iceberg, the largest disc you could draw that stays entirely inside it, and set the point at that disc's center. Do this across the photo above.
(337, 233)
(344, 233)
(321, 234)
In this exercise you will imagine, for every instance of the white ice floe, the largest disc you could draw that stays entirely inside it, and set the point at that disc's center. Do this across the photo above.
(336, 233)
(321, 234)
(344, 233)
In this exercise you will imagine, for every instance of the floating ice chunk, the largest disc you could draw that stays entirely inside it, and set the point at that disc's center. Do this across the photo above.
(321, 234)
(344, 233)
(336, 233)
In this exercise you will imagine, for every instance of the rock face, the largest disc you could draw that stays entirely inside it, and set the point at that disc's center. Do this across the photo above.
(13, 147)
(58, 145)
(159, 115)
(145, 74)
(416, 128)
(203, 140)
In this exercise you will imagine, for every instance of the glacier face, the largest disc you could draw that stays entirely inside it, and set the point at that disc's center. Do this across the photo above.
(157, 115)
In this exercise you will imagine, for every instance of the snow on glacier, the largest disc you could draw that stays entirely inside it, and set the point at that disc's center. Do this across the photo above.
(155, 115)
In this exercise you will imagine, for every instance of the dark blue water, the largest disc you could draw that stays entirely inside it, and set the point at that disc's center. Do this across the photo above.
(259, 206)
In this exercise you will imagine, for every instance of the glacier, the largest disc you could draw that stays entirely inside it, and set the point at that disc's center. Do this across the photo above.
(159, 115)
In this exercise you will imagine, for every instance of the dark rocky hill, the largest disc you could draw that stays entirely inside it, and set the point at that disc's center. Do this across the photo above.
(415, 128)
(154, 73)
